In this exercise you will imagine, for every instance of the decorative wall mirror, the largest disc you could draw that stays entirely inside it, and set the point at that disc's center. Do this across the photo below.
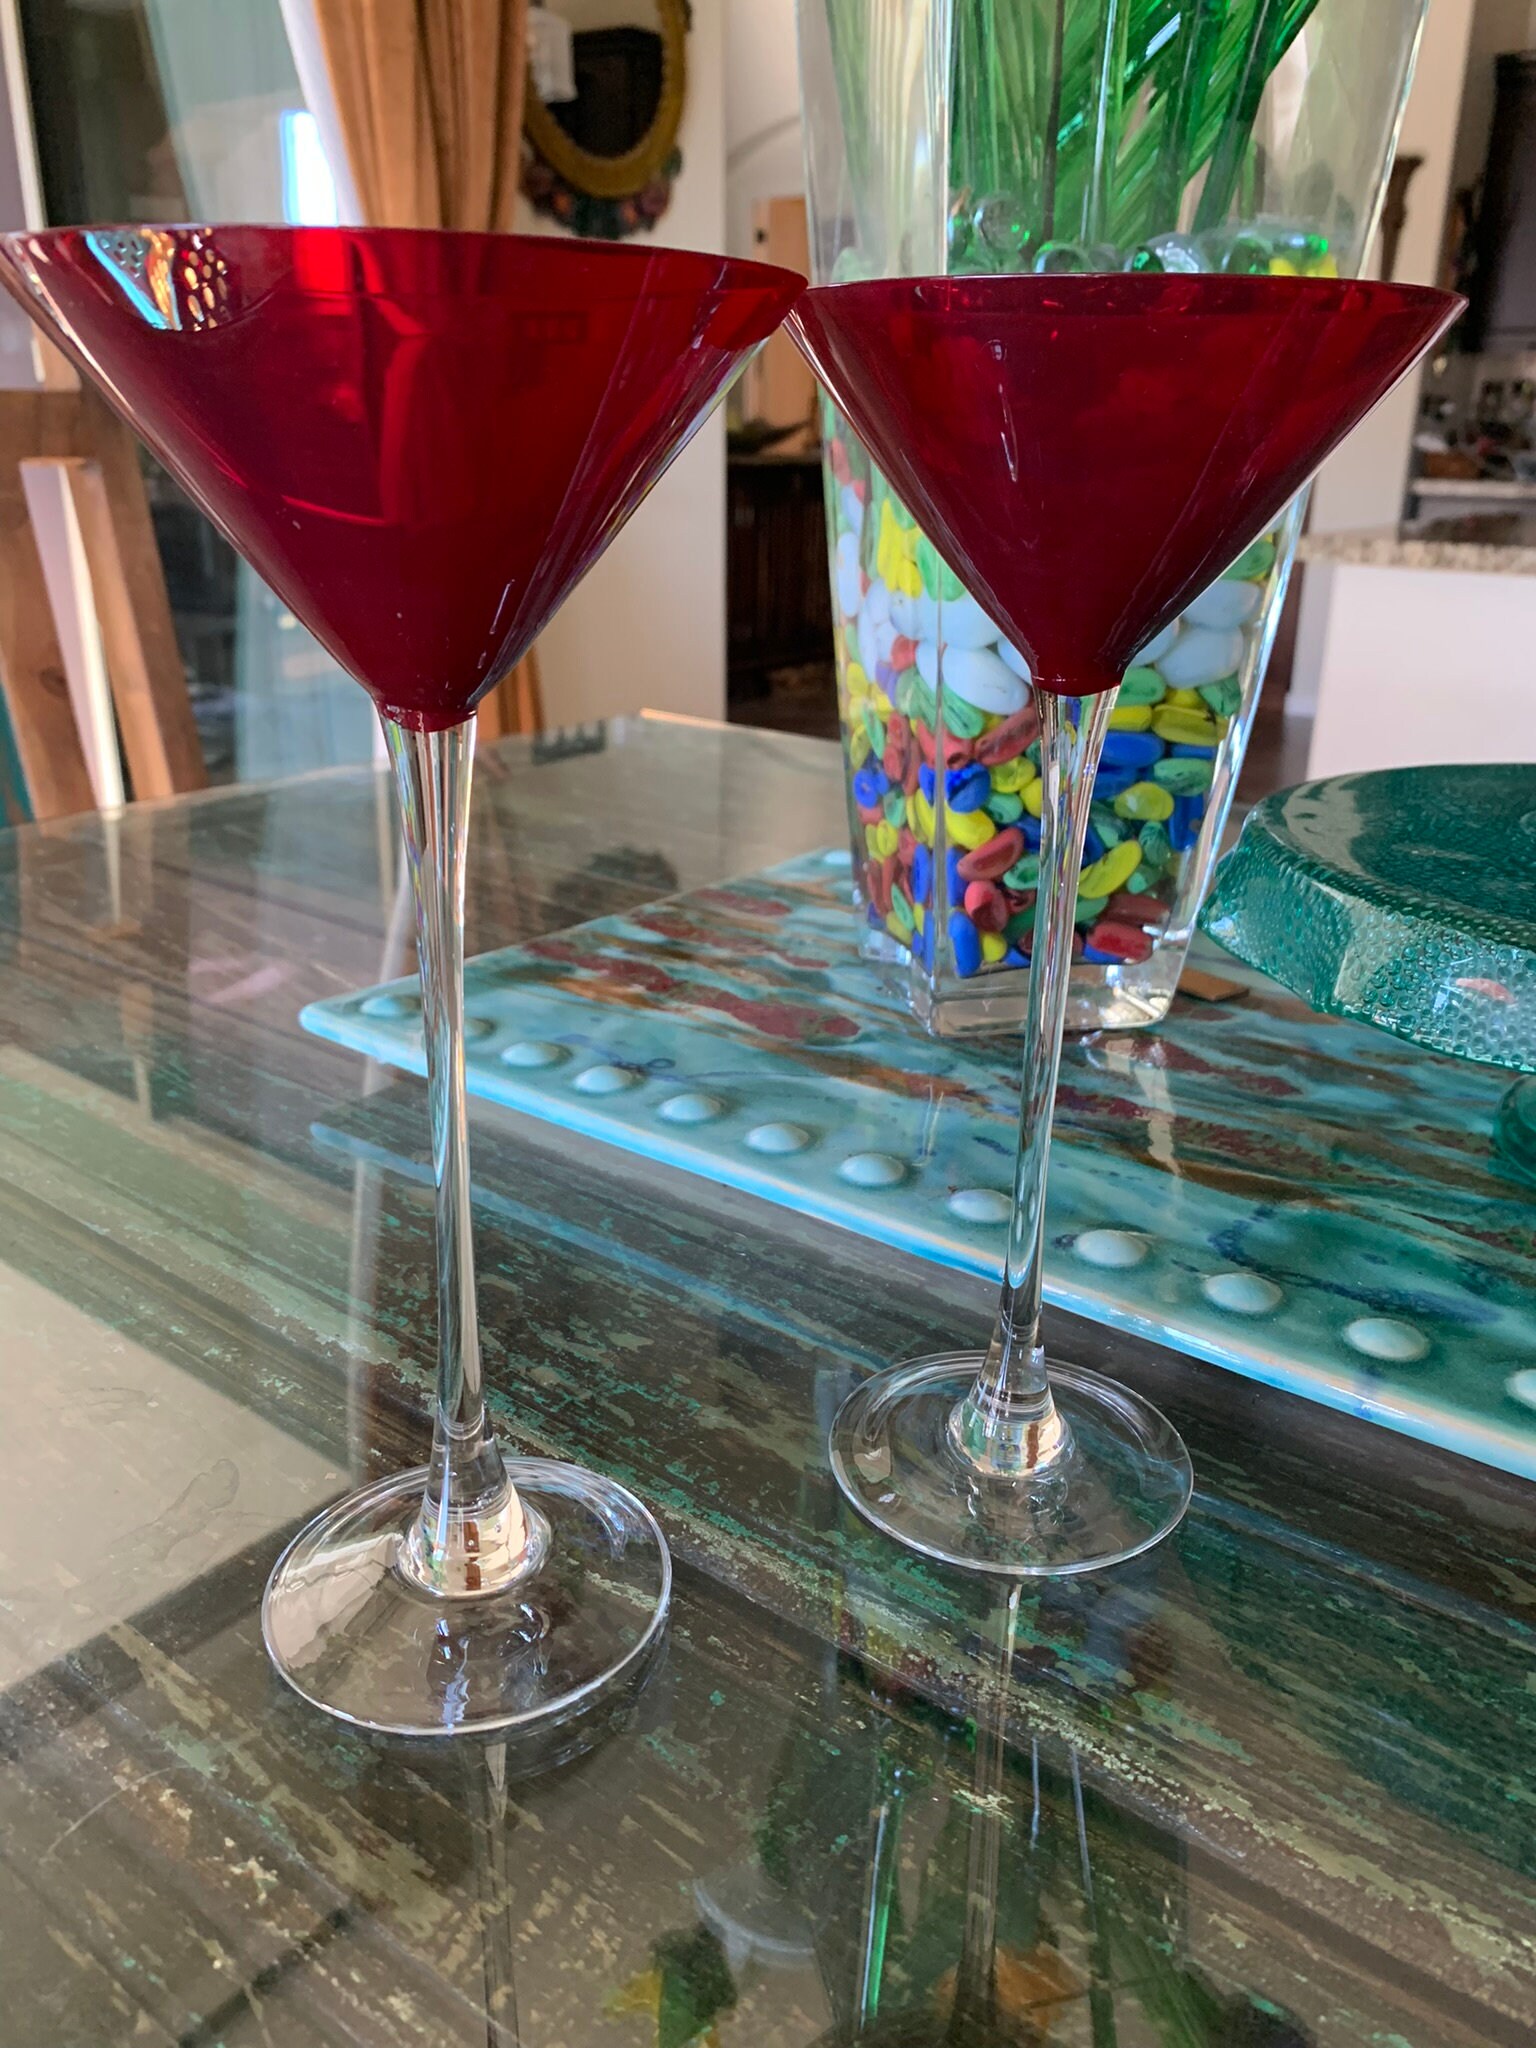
(606, 85)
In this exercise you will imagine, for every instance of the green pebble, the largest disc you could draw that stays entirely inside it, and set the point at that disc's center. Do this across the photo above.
(1020, 926)
(1109, 828)
(1223, 697)
(1156, 847)
(1147, 800)
(925, 706)
(1090, 908)
(894, 805)
(1032, 753)
(908, 684)
(1005, 807)
(901, 909)
(1140, 882)
(962, 719)
(939, 580)
(1252, 563)
(1142, 686)
(1185, 777)
(874, 725)
(1024, 874)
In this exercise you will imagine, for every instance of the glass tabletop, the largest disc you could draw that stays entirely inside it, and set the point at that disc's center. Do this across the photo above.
(1272, 1784)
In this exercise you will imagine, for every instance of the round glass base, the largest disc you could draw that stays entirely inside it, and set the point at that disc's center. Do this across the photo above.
(356, 1636)
(1123, 1483)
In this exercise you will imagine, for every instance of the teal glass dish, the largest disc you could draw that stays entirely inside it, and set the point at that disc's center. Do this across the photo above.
(1404, 898)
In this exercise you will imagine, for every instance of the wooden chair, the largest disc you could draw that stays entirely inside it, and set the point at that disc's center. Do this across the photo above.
(77, 432)
(516, 705)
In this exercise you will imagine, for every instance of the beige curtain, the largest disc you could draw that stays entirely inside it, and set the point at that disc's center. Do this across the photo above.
(429, 101)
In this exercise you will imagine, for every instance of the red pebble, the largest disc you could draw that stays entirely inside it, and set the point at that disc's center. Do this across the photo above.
(870, 814)
(903, 652)
(924, 738)
(1020, 899)
(876, 887)
(1007, 741)
(913, 776)
(986, 906)
(986, 863)
(860, 489)
(906, 846)
(1122, 941)
(889, 876)
(837, 455)
(1125, 907)
(958, 753)
(898, 743)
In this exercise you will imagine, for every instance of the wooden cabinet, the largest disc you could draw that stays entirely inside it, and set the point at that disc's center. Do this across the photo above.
(1502, 318)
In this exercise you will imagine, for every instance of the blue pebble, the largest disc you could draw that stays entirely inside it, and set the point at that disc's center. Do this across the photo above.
(1030, 827)
(1093, 846)
(1184, 825)
(965, 943)
(1183, 753)
(967, 789)
(952, 861)
(885, 676)
(1131, 749)
(1109, 782)
(923, 944)
(1014, 958)
(1101, 959)
(926, 782)
(922, 875)
(866, 788)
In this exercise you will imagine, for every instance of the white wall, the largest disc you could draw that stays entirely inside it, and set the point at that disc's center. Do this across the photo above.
(1362, 485)
(763, 149)
(647, 626)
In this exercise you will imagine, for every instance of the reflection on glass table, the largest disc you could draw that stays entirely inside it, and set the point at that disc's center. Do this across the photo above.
(1302, 1730)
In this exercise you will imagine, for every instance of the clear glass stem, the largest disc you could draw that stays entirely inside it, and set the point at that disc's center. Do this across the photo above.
(1009, 1425)
(473, 1534)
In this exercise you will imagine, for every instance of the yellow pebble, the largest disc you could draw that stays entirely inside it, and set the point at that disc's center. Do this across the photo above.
(855, 678)
(897, 929)
(1147, 802)
(993, 946)
(886, 837)
(858, 746)
(922, 817)
(919, 917)
(969, 829)
(1282, 266)
(908, 581)
(1113, 871)
(880, 700)
(1034, 797)
(1012, 778)
(1130, 718)
(869, 840)
(1184, 700)
(1184, 728)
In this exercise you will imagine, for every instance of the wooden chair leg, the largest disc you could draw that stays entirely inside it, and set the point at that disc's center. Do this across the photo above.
(32, 669)
(144, 665)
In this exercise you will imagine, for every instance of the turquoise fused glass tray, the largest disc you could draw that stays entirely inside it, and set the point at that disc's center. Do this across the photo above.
(1295, 1197)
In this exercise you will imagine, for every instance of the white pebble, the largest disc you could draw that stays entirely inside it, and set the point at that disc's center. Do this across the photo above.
(1241, 1294)
(927, 617)
(903, 613)
(885, 635)
(869, 650)
(872, 1170)
(963, 623)
(533, 1052)
(1224, 606)
(1009, 653)
(979, 1205)
(1111, 1248)
(691, 1107)
(777, 1139)
(850, 582)
(977, 675)
(1154, 650)
(605, 1080)
(928, 663)
(1200, 657)
(877, 601)
(1381, 1337)
(853, 510)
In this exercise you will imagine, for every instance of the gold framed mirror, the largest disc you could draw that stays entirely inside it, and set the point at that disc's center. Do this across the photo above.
(601, 158)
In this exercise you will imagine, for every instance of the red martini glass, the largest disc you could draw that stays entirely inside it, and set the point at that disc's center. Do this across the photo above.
(422, 440)
(1087, 452)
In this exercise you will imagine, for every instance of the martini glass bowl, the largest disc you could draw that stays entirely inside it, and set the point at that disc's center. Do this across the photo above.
(1086, 452)
(422, 440)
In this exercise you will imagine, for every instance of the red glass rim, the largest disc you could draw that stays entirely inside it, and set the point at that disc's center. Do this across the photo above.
(1210, 291)
(727, 273)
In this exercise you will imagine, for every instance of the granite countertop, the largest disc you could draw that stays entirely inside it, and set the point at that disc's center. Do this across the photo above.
(1501, 544)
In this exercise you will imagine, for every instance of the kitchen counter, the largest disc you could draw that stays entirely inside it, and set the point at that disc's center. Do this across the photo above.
(1448, 545)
